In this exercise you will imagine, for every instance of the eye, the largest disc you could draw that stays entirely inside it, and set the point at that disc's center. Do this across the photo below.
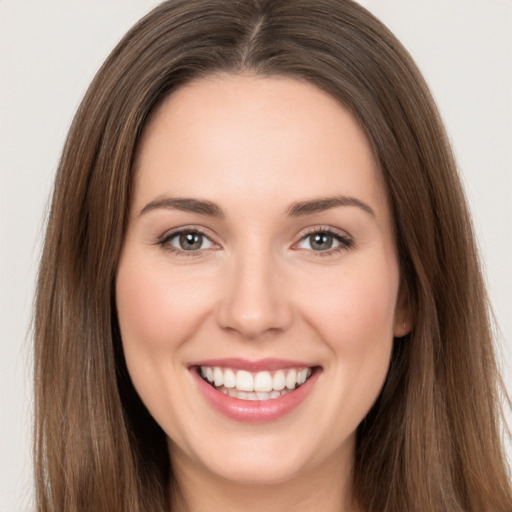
(324, 241)
(187, 241)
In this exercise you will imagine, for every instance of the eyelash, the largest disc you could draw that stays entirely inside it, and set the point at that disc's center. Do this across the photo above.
(164, 241)
(346, 242)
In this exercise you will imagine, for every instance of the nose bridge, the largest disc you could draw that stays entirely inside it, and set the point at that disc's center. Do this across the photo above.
(254, 301)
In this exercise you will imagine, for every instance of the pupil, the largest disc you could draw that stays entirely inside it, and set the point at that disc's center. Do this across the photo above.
(321, 241)
(191, 241)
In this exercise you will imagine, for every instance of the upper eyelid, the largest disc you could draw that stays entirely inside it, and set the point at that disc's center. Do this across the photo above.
(171, 233)
(325, 229)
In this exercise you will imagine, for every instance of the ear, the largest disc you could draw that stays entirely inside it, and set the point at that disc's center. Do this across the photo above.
(404, 318)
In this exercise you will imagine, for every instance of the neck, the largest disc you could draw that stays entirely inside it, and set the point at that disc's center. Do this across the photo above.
(327, 488)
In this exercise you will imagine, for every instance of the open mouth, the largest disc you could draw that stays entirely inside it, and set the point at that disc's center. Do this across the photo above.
(263, 385)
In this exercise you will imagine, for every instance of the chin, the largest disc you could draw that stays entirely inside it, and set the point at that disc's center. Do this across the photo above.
(255, 459)
(255, 471)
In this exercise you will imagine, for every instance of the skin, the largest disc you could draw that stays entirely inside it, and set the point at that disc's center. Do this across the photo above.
(256, 146)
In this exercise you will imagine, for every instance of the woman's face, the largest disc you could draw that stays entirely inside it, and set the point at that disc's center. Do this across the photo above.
(259, 252)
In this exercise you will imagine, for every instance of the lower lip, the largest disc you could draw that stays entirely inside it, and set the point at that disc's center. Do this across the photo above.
(255, 411)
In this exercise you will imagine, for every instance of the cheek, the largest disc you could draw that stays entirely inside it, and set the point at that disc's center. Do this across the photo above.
(360, 302)
(157, 308)
(355, 319)
(159, 311)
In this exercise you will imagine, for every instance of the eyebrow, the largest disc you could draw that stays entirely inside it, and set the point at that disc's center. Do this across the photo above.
(326, 203)
(204, 207)
(200, 206)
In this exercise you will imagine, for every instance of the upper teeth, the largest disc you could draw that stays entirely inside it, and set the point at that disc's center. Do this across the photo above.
(260, 381)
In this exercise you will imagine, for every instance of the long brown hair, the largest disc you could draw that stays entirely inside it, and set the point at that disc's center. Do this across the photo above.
(432, 440)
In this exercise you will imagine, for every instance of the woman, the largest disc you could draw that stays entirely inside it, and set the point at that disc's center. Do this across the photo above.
(259, 287)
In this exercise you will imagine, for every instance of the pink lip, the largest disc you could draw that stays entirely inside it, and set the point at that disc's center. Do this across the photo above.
(254, 411)
(253, 366)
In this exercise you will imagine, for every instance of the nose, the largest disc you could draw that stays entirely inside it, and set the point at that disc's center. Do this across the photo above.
(255, 301)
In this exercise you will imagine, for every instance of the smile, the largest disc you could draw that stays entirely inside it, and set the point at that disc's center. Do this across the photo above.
(263, 385)
(254, 391)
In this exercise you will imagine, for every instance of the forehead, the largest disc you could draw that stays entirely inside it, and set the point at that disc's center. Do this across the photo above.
(267, 139)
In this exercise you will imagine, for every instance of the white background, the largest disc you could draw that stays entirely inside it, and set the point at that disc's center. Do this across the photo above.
(49, 52)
